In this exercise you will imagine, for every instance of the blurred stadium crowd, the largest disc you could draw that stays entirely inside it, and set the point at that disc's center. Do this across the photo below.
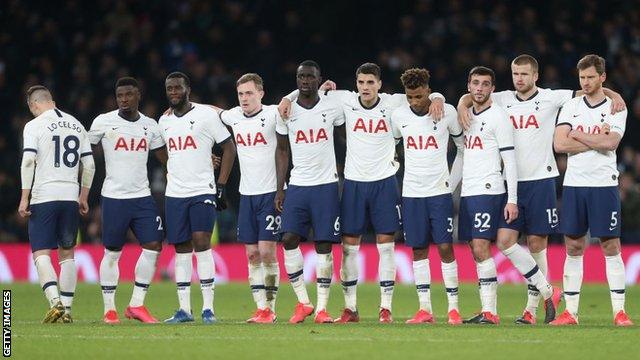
(78, 49)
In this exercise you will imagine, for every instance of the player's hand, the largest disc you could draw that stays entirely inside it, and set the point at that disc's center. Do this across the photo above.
(216, 161)
(279, 200)
(464, 118)
(606, 128)
(510, 212)
(284, 108)
(221, 200)
(83, 206)
(328, 85)
(436, 109)
(23, 208)
(617, 104)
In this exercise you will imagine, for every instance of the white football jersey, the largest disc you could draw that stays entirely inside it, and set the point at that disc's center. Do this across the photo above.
(425, 142)
(126, 146)
(190, 139)
(490, 133)
(256, 143)
(533, 120)
(59, 141)
(310, 134)
(591, 168)
(370, 143)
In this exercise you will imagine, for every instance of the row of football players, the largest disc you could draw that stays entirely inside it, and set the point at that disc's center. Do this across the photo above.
(489, 211)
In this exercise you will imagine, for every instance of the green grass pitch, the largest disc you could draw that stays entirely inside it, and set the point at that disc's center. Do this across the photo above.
(89, 338)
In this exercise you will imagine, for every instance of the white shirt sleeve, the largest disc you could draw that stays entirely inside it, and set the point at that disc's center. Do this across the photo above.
(281, 126)
(559, 97)
(498, 97)
(217, 129)
(618, 122)
(565, 116)
(395, 126)
(30, 138)
(156, 137)
(96, 132)
(504, 137)
(339, 115)
(85, 144)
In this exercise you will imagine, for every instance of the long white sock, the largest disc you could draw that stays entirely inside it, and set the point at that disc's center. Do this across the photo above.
(422, 276)
(324, 273)
(616, 279)
(68, 281)
(48, 279)
(572, 282)
(533, 295)
(109, 274)
(349, 275)
(522, 260)
(450, 277)
(294, 264)
(145, 269)
(386, 273)
(183, 272)
(256, 281)
(206, 272)
(488, 283)
(271, 283)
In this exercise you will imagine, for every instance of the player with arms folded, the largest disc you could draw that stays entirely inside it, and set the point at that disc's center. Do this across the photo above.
(127, 137)
(54, 146)
(190, 131)
(589, 135)
(254, 128)
(427, 204)
(532, 111)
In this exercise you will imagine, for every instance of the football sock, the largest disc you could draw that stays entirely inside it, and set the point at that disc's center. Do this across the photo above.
(145, 269)
(324, 273)
(48, 279)
(256, 281)
(349, 275)
(271, 283)
(386, 273)
(109, 274)
(422, 276)
(522, 260)
(206, 273)
(571, 283)
(533, 295)
(488, 283)
(68, 281)
(183, 273)
(616, 279)
(294, 263)
(450, 278)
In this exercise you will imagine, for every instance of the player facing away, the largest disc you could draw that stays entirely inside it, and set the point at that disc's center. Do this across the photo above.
(532, 112)
(427, 204)
(127, 137)
(312, 196)
(589, 135)
(254, 128)
(370, 192)
(190, 131)
(54, 145)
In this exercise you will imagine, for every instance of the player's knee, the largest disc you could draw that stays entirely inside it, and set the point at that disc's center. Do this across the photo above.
(114, 248)
(253, 256)
(184, 247)
(323, 247)
(290, 241)
(201, 241)
(481, 251)
(153, 246)
(610, 246)
(537, 243)
(351, 239)
(420, 254)
(65, 253)
(446, 252)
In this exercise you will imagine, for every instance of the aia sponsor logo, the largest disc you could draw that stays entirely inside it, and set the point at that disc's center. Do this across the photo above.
(422, 142)
(182, 143)
(132, 144)
(524, 122)
(371, 126)
(473, 142)
(595, 129)
(250, 139)
(311, 136)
